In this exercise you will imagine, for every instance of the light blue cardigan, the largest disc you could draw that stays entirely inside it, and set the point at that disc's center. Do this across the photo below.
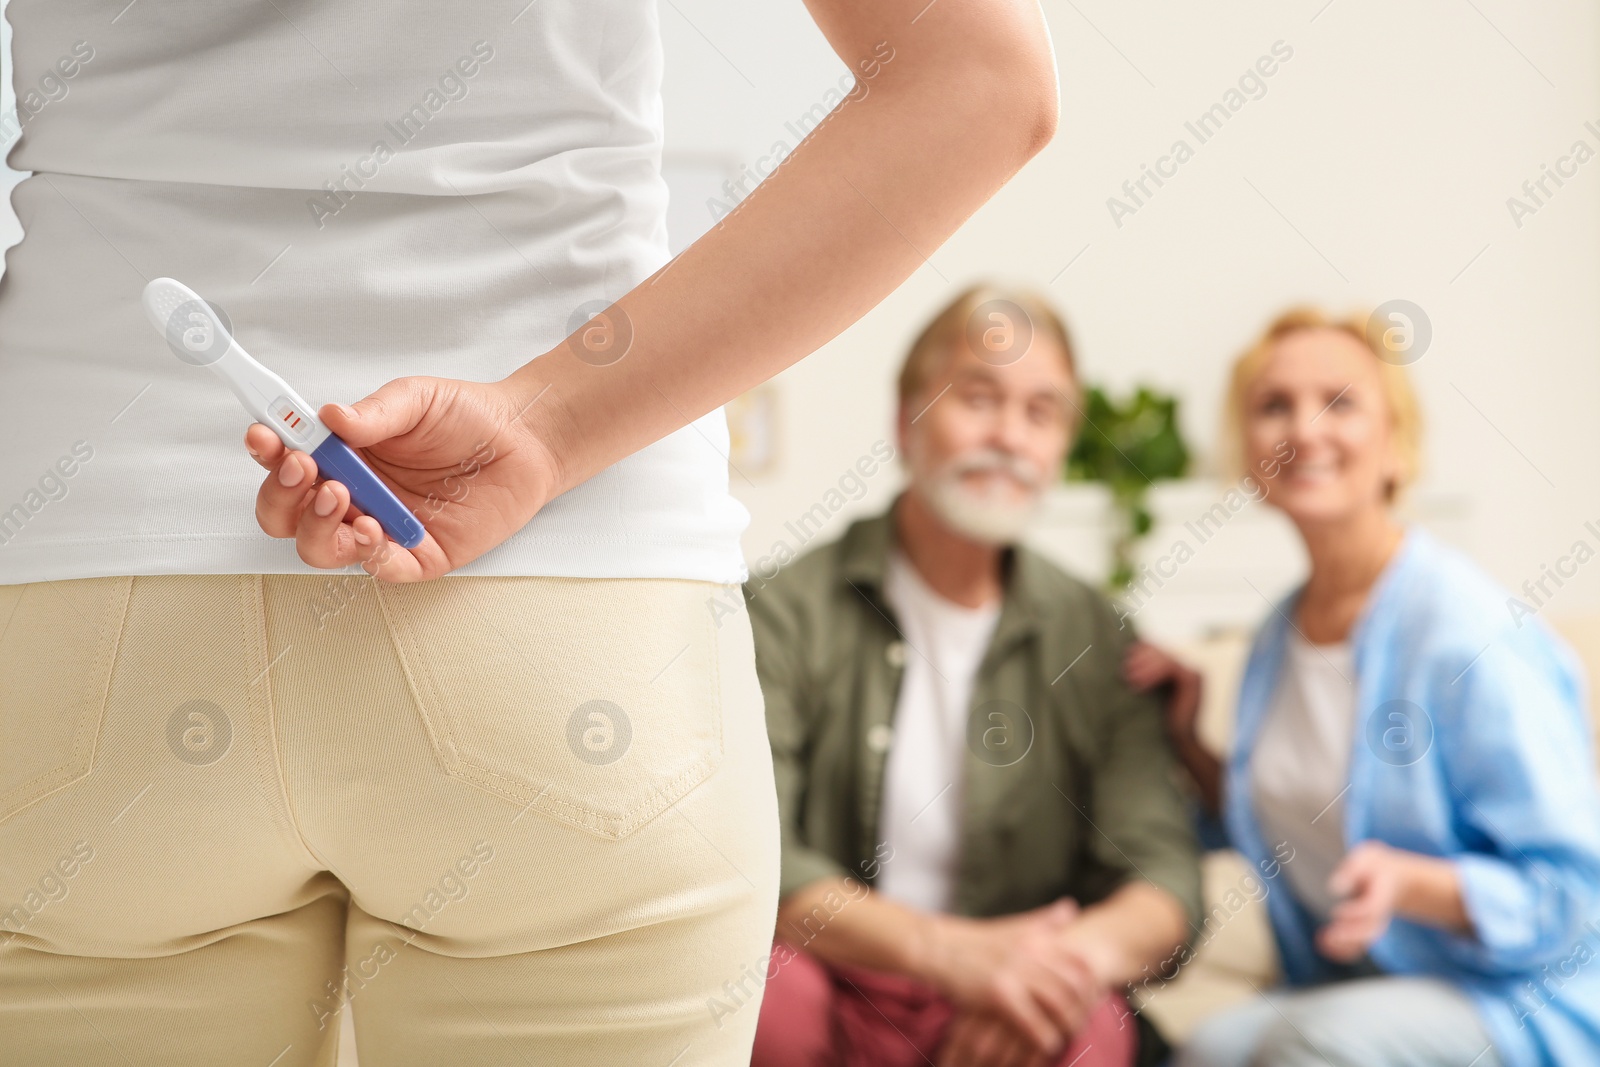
(1471, 743)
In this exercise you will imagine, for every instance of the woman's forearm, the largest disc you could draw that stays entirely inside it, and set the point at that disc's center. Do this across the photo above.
(1429, 892)
(1205, 770)
(968, 96)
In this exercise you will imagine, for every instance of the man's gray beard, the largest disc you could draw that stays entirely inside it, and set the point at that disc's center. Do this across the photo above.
(985, 521)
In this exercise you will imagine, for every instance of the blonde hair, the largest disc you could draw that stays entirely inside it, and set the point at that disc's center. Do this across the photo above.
(950, 326)
(1405, 414)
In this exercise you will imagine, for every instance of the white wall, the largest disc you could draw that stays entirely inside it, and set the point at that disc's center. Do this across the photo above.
(10, 232)
(1376, 166)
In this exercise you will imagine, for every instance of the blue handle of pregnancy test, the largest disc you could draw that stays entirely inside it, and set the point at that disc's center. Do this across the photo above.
(341, 463)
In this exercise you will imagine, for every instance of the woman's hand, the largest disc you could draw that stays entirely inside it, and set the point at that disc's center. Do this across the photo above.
(461, 455)
(1375, 882)
(856, 211)
(1368, 883)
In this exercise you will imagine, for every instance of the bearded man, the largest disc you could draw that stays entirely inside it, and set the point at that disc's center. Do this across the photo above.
(983, 846)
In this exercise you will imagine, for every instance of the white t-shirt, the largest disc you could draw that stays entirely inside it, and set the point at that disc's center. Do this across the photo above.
(921, 814)
(1300, 766)
(368, 191)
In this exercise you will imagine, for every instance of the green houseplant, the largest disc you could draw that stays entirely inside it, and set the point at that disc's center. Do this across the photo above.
(1128, 447)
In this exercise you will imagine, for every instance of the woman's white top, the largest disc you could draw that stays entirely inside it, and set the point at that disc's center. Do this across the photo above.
(368, 191)
(1300, 766)
(944, 644)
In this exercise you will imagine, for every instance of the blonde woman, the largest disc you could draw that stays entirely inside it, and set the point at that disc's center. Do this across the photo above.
(1424, 761)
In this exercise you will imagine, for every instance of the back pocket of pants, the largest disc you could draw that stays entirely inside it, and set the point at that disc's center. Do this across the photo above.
(58, 643)
(596, 702)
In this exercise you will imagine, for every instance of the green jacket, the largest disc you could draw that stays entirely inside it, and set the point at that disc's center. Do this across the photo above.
(1068, 787)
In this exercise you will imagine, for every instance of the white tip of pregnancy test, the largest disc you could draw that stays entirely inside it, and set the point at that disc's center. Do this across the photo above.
(164, 296)
(193, 329)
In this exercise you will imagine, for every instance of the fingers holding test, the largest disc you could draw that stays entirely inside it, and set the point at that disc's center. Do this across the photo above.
(291, 503)
(328, 529)
(285, 494)
(264, 446)
(390, 562)
(322, 537)
(394, 409)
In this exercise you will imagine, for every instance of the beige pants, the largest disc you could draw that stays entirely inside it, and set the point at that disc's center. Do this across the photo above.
(500, 820)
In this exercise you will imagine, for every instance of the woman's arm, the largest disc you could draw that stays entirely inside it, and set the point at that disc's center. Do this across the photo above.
(1519, 782)
(967, 98)
(1430, 893)
(1147, 667)
(1376, 883)
(1205, 770)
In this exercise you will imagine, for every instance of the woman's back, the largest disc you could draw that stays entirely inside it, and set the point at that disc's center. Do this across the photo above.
(368, 191)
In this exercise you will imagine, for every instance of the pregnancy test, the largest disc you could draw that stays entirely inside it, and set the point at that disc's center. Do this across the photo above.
(198, 337)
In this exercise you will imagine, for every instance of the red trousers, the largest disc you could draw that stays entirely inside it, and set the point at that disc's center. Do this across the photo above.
(816, 1014)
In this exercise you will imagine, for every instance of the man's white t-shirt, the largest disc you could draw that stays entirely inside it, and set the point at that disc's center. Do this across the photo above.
(1300, 766)
(921, 814)
(368, 191)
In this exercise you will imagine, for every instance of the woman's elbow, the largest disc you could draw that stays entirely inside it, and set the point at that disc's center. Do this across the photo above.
(1003, 118)
(1027, 93)
(987, 84)
(1043, 111)
(1044, 97)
